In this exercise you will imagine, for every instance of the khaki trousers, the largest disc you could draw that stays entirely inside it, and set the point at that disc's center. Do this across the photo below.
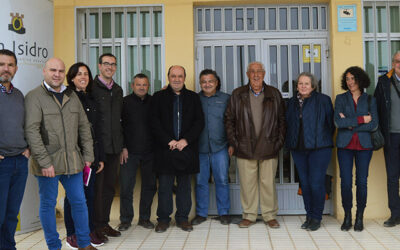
(257, 183)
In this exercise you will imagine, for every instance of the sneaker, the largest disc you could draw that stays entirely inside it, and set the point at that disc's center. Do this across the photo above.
(95, 241)
(71, 242)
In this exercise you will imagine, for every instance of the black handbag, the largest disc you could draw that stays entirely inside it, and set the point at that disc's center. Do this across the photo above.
(376, 135)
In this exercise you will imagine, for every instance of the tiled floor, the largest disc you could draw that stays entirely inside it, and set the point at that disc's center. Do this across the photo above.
(211, 235)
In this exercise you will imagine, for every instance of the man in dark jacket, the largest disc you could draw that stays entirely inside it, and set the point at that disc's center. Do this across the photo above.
(177, 121)
(255, 126)
(387, 94)
(137, 151)
(108, 95)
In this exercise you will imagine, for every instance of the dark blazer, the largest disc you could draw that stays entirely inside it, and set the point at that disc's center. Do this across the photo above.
(318, 125)
(109, 103)
(163, 130)
(344, 104)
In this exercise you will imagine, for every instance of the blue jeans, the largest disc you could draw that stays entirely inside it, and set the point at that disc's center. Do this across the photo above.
(48, 191)
(311, 166)
(219, 163)
(13, 174)
(89, 194)
(346, 157)
(392, 160)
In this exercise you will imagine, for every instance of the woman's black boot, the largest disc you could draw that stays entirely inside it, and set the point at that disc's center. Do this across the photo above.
(314, 225)
(358, 224)
(347, 221)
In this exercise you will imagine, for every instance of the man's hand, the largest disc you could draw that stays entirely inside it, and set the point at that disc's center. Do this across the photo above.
(1, 157)
(342, 115)
(367, 118)
(88, 163)
(230, 151)
(181, 144)
(123, 158)
(101, 166)
(48, 172)
(172, 144)
(26, 153)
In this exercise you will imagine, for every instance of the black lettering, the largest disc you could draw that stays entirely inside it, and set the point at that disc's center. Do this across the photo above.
(1, 45)
(21, 49)
(34, 50)
(26, 48)
(45, 53)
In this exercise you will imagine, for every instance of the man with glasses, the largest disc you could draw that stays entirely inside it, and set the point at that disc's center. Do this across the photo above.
(255, 126)
(387, 94)
(108, 95)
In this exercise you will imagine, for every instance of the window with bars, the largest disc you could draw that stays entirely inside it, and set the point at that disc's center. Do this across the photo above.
(133, 34)
(252, 19)
(381, 35)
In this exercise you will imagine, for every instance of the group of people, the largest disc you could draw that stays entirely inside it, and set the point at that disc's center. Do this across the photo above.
(81, 134)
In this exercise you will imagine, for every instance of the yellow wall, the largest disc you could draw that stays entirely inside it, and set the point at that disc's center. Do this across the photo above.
(345, 50)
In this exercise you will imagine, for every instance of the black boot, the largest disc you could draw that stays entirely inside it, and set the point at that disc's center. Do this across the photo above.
(347, 221)
(314, 225)
(306, 223)
(358, 224)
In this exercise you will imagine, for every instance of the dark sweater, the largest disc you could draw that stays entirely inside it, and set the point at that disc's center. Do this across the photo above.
(12, 138)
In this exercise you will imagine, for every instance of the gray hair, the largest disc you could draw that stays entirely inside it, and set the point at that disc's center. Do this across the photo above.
(314, 82)
(394, 55)
(255, 62)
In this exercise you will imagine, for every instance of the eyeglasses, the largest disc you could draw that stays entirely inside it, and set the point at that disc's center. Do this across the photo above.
(107, 64)
(259, 71)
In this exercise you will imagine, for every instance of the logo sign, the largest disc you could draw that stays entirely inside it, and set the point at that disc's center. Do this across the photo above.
(16, 24)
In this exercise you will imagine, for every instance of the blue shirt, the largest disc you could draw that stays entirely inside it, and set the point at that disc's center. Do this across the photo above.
(213, 137)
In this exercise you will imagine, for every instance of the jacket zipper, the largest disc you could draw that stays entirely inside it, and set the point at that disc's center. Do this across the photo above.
(65, 139)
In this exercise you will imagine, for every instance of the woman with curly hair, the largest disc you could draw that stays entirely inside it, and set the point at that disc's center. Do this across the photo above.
(355, 117)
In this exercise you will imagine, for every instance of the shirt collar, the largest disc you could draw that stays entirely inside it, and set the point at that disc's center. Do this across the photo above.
(256, 94)
(108, 85)
(63, 87)
(398, 77)
(3, 89)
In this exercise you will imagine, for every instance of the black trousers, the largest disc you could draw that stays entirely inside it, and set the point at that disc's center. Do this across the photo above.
(392, 159)
(183, 198)
(105, 190)
(127, 177)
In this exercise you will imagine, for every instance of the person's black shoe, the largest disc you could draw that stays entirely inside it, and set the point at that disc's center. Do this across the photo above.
(198, 220)
(146, 224)
(306, 223)
(392, 221)
(314, 225)
(347, 221)
(124, 226)
(225, 219)
(358, 224)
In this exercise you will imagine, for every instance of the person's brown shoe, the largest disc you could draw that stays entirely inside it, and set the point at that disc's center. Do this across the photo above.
(161, 227)
(109, 231)
(146, 224)
(198, 220)
(185, 226)
(99, 233)
(272, 223)
(90, 247)
(245, 223)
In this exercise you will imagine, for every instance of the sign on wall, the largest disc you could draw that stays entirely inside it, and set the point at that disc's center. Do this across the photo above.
(26, 28)
(347, 18)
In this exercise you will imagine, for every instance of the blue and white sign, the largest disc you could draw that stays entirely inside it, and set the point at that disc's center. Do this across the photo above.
(347, 18)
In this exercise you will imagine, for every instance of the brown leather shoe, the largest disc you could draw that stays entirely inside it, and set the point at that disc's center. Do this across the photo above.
(99, 233)
(272, 223)
(161, 227)
(185, 226)
(90, 247)
(109, 231)
(245, 223)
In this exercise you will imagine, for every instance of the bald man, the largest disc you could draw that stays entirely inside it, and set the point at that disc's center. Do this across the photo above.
(54, 123)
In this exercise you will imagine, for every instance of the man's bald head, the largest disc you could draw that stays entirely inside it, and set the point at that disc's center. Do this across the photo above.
(54, 73)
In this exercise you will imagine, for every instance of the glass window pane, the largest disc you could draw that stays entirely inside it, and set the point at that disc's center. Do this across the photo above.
(106, 32)
(119, 24)
(132, 62)
(283, 18)
(381, 18)
(107, 49)
(228, 20)
(117, 76)
(252, 53)
(229, 69)
(250, 19)
(273, 57)
(239, 19)
(131, 23)
(261, 19)
(295, 67)
(94, 25)
(323, 17)
(145, 23)
(219, 63)
(305, 18)
(217, 20)
(395, 46)
(241, 71)
(315, 17)
(306, 58)
(157, 68)
(368, 20)
(394, 19)
(146, 61)
(370, 65)
(272, 18)
(208, 20)
(207, 57)
(382, 57)
(284, 67)
(294, 18)
(157, 23)
(93, 59)
(199, 20)
(317, 65)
